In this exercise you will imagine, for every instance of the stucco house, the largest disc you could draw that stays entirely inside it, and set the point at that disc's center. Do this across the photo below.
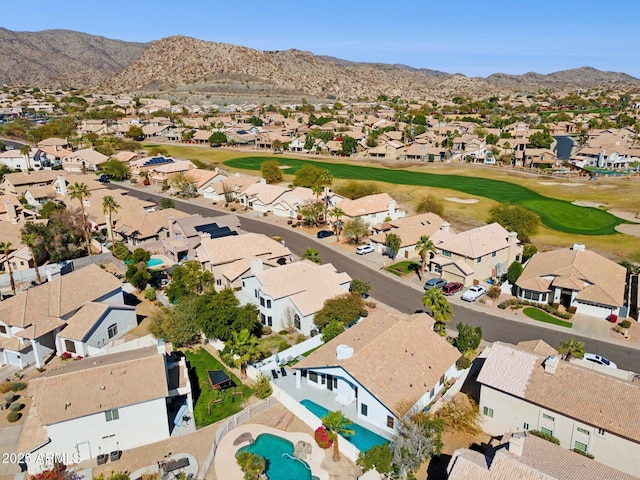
(290, 295)
(381, 365)
(85, 160)
(186, 234)
(475, 255)
(409, 229)
(575, 277)
(262, 197)
(372, 209)
(524, 388)
(104, 404)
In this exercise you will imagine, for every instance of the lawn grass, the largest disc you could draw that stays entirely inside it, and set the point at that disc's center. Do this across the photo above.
(272, 342)
(200, 360)
(403, 268)
(541, 316)
(555, 214)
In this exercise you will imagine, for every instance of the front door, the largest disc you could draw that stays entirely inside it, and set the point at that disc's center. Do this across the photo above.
(330, 382)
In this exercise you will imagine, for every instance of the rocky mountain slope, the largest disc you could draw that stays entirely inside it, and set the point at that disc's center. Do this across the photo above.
(583, 77)
(62, 58)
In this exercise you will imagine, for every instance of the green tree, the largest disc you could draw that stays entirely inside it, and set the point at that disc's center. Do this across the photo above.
(109, 207)
(379, 457)
(80, 192)
(360, 287)
(6, 249)
(307, 176)
(513, 272)
(220, 314)
(332, 330)
(251, 464)
(135, 132)
(393, 242)
(336, 213)
(217, 138)
(346, 309)
(177, 324)
(430, 203)
(312, 255)
(492, 139)
(516, 218)
(356, 229)
(244, 347)
(138, 275)
(187, 280)
(271, 171)
(441, 310)
(353, 189)
(571, 349)
(337, 425)
(541, 140)
(469, 338)
(311, 212)
(528, 251)
(166, 203)
(115, 169)
(32, 240)
(424, 247)
(60, 236)
(276, 145)
(348, 145)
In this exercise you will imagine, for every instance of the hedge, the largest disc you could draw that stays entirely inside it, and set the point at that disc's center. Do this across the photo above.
(550, 309)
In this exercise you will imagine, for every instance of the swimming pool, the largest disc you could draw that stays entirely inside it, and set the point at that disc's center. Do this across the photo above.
(278, 453)
(154, 262)
(363, 439)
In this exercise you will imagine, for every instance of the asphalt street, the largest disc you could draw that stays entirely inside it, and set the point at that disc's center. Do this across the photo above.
(406, 299)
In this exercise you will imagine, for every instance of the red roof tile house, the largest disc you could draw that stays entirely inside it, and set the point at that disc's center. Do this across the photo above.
(585, 409)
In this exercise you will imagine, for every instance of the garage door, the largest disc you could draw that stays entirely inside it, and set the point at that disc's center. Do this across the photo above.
(13, 358)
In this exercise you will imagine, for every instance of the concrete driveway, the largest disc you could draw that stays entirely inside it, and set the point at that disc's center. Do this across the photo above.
(9, 445)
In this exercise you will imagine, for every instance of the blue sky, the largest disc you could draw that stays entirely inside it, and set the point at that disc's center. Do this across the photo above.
(475, 38)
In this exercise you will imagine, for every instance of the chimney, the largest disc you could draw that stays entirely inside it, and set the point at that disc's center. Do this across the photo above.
(392, 207)
(63, 185)
(550, 364)
(512, 241)
(516, 444)
(170, 221)
(12, 216)
(445, 227)
(578, 247)
(256, 266)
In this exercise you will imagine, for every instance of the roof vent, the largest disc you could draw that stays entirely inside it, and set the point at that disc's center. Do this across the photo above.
(550, 364)
(102, 387)
(343, 352)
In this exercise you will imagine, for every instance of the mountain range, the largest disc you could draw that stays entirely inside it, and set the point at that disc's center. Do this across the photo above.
(63, 58)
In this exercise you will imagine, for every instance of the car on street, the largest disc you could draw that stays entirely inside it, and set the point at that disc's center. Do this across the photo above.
(452, 287)
(599, 359)
(474, 293)
(364, 249)
(434, 283)
(324, 234)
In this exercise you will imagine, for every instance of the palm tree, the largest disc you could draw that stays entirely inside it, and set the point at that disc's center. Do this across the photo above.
(317, 191)
(441, 310)
(325, 180)
(244, 347)
(337, 424)
(80, 191)
(423, 247)
(6, 247)
(312, 255)
(337, 213)
(571, 348)
(109, 207)
(26, 150)
(32, 240)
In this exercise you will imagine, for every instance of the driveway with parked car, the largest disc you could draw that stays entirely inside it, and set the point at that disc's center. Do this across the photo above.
(434, 283)
(474, 293)
(364, 249)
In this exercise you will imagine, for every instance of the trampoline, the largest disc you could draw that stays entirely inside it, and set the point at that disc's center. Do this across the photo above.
(219, 380)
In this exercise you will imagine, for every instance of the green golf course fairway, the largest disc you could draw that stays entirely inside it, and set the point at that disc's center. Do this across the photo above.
(555, 214)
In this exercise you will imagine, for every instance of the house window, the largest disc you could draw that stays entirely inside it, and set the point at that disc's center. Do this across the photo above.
(219, 282)
(296, 321)
(270, 321)
(580, 446)
(601, 432)
(479, 260)
(112, 331)
(112, 415)
(70, 346)
(488, 412)
(546, 431)
(3, 329)
(313, 377)
(525, 426)
(390, 421)
(262, 301)
(255, 292)
(548, 417)
(263, 319)
(432, 392)
(583, 431)
(446, 253)
(268, 303)
(442, 380)
(493, 254)
(364, 410)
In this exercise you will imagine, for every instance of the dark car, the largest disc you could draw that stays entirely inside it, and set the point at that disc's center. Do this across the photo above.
(103, 178)
(452, 287)
(324, 234)
(435, 283)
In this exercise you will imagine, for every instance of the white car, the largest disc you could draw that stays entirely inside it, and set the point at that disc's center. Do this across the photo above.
(364, 249)
(474, 293)
(600, 360)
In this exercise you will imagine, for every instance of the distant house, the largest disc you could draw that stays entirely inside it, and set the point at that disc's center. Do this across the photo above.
(85, 160)
(104, 404)
(290, 204)
(290, 295)
(142, 228)
(475, 255)
(18, 183)
(381, 366)
(521, 390)
(371, 209)
(230, 258)
(575, 277)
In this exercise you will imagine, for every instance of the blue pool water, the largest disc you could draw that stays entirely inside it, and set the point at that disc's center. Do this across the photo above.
(278, 453)
(154, 262)
(363, 439)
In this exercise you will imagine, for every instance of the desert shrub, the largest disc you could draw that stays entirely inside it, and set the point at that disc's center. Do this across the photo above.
(460, 413)
(16, 407)
(379, 457)
(13, 417)
(301, 338)
(546, 436)
(463, 362)
(10, 397)
(150, 293)
(263, 387)
(322, 437)
(289, 222)
(625, 324)
(267, 330)
(5, 387)
(572, 310)
(18, 386)
(251, 464)
(283, 345)
(494, 292)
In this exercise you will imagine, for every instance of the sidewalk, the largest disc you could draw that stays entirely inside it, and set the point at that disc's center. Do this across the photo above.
(590, 327)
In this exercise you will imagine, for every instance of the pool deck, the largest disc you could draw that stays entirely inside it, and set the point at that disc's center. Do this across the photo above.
(225, 459)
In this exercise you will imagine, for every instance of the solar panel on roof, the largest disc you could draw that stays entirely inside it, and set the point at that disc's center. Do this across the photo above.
(215, 231)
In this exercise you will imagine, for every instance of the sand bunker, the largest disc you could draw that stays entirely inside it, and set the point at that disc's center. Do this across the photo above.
(462, 200)
(629, 229)
(628, 216)
(581, 203)
(565, 184)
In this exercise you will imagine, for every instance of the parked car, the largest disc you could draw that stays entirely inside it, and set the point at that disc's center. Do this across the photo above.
(452, 287)
(613, 318)
(434, 283)
(324, 234)
(103, 178)
(600, 360)
(474, 293)
(364, 249)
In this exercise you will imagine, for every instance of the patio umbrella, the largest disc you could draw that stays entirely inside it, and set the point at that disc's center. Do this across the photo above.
(277, 358)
